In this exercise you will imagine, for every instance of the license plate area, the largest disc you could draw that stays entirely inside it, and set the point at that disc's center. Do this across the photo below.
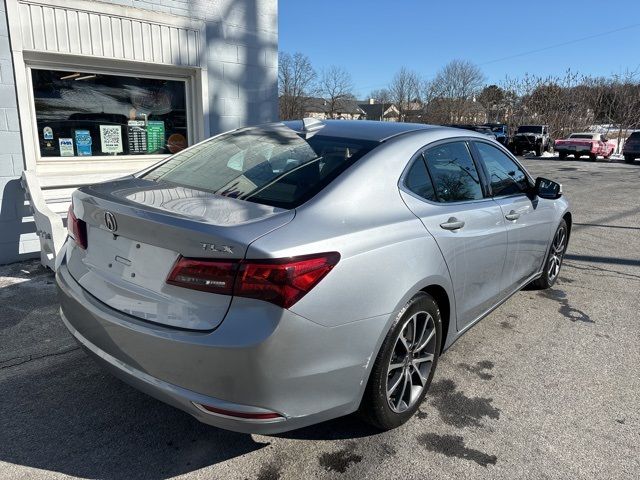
(128, 260)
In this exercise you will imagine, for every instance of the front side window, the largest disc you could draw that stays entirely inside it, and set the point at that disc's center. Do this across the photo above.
(454, 174)
(271, 166)
(85, 114)
(505, 176)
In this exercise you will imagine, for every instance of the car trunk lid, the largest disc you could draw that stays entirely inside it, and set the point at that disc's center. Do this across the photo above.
(136, 231)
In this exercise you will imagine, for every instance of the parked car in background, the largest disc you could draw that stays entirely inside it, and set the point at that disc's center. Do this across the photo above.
(281, 275)
(631, 148)
(476, 128)
(531, 138)
(501, 131)
(585, 143)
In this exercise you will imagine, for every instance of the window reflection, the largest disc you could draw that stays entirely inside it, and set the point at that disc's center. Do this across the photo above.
(86, 114)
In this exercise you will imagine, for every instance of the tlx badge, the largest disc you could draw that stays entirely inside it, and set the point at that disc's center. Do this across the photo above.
(217, 248)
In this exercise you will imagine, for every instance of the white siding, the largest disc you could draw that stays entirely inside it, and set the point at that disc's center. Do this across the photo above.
(64, 30)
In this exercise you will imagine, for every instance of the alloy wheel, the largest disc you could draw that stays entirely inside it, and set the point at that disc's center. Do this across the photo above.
(411, 362)
(557, 252)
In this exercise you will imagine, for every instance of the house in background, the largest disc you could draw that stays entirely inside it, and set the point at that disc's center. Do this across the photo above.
(345, 109)
(91, 90)
(386, 112)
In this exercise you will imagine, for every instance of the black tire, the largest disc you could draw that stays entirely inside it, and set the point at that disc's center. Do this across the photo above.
(562, 155)
(577, 155)
(629, 158)
(375, 407)
(593, 157)
(538, 150)
(547, 279)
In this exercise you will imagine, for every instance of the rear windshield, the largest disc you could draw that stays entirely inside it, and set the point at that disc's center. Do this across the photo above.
(635, 136)
(581, 135)
(275, 167)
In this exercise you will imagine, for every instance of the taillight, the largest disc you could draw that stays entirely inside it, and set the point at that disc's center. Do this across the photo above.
(77, 229)
(280, 281)
(205, 275)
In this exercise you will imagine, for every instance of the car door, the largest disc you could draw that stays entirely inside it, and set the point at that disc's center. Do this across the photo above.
(528, 220)
(443, 187)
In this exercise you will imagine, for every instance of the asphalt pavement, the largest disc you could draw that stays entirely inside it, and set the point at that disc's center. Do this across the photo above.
(547, 386)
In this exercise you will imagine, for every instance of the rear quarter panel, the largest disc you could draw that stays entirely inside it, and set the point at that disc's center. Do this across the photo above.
(386, 253)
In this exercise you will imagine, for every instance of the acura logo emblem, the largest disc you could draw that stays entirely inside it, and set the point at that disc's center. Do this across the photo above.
(110, 221)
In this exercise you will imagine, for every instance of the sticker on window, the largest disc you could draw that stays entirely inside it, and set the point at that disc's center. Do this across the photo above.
(111, 138)
(66, 147)
(83, 143)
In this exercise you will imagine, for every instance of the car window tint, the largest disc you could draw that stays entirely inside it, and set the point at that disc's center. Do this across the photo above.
(418, 181)
(271, 166)
(453, 172)
(505, 176)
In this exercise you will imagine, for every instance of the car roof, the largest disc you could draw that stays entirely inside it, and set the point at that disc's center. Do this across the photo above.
(362, 129)
(586, 133)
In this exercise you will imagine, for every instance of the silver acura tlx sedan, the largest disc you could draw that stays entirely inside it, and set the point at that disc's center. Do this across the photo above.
(273, 277)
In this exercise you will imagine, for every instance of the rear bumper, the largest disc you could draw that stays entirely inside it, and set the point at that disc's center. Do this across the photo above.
(260, 359)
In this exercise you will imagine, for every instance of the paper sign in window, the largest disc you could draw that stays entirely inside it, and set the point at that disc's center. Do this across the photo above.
(111, 138)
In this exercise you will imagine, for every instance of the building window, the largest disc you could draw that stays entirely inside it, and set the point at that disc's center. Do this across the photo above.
(80, 114)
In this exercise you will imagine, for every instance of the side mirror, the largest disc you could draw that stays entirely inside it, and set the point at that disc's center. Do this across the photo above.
(546, 188)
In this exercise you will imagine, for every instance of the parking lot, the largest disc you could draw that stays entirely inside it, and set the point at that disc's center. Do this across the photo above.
(547, 386)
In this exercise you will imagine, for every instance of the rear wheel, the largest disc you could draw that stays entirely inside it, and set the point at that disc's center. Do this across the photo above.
(577, 155)
(405, 365)
(629, 158)
(593, 157)
(553, 263)
(538, 150)
(562, 155)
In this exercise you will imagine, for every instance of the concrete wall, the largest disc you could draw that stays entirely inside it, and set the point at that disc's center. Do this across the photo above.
(241, 56)
(241, 59)
(16, 237)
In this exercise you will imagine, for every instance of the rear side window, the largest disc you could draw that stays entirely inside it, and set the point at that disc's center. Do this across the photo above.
(418, 180)
(505, 176)
(454, 174)
(271, 166)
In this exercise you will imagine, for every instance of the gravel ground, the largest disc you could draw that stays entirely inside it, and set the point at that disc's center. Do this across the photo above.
(547, 386)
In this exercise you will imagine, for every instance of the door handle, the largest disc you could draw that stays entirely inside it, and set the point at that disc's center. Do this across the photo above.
(452, 224)
(512, 215)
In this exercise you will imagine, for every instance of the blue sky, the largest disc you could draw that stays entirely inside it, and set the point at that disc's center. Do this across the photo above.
(374, 38)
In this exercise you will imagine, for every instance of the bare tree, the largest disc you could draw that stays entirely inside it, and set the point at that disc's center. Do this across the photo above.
(404, 90)
(456, 86)
(381, 95)
(335, 86)
(296, 79)
(459, 79)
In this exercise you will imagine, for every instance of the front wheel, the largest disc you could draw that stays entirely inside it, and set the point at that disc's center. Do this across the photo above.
(405, 365)
(562, 155)
(629, 158)
(593, 157)
(554, 259)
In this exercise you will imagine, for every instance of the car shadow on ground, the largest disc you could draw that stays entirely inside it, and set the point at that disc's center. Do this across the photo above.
(71, 417)
(61, 412)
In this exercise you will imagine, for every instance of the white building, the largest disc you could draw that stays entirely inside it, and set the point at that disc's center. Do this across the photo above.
(93, 90)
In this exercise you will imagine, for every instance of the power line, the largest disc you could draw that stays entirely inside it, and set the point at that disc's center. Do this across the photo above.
(562, 44)
(530, 52)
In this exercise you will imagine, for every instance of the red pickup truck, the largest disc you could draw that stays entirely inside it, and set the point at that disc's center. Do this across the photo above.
(578, 144)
